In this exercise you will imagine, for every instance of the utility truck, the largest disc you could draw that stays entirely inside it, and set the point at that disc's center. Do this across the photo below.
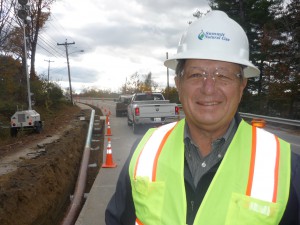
(150, 109)
(121, 105)
(24, 120)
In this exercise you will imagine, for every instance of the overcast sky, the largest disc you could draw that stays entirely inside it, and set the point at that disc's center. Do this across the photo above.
(118, 37)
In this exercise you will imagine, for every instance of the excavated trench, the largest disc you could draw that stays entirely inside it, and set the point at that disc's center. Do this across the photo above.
(37, 190)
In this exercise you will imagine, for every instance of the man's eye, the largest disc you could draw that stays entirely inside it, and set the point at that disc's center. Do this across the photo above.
(221, 76)
(196, 75)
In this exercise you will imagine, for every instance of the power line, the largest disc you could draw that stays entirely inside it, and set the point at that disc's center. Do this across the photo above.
(55, 51)
(55, 70)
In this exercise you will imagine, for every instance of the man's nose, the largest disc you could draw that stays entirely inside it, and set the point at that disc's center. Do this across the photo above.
(209, 84)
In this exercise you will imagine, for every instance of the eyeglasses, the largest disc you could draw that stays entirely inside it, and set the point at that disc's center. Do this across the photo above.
(221, 76)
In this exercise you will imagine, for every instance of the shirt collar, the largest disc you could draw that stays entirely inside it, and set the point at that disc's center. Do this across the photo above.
(225, 136)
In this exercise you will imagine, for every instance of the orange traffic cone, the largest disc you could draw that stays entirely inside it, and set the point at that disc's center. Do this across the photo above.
(108, 130)
(109, 159)
(106, 120)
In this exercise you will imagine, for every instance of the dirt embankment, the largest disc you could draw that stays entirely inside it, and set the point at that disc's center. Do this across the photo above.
(38, 191)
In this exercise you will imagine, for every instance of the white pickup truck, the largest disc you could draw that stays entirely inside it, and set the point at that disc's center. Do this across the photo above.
(150, 109)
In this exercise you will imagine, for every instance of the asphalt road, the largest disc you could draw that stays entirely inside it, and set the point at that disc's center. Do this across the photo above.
(121, 141)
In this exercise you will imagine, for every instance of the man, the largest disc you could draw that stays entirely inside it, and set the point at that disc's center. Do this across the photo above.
(212, 167)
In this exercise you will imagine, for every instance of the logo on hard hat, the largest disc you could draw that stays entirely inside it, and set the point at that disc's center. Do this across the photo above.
(212, 35)
(201, 36)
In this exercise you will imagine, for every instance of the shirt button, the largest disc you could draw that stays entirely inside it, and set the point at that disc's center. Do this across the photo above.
(219, 156)
(203, 164)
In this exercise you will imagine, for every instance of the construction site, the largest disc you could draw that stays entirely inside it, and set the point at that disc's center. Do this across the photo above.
(39, 171)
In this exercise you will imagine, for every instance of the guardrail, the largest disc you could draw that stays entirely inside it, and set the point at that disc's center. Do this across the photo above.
(266, 118)
(272, 119)
(74, 207)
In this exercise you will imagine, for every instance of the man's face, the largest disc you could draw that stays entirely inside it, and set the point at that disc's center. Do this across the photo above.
(210, 92)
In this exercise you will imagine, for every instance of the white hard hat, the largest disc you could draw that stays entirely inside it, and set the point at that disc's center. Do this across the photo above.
(215, 37)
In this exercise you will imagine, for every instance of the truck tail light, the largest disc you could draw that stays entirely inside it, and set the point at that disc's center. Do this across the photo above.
(176, 110)
(137, 111)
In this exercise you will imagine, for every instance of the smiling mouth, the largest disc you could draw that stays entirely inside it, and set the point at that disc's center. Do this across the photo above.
(207, 103)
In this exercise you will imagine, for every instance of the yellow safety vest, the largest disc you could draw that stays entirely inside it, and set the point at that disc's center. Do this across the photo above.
(251, 185)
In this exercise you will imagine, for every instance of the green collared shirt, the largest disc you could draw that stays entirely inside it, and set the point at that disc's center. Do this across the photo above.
(199, 165)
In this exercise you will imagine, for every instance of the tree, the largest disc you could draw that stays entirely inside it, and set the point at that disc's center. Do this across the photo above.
(148, 84)
(274, 48)
(47, 94)
(285, 83)
(132, 85)
(172, 93)
(10, 79)
(92, 92)
(39, 14)
(257, 19)
(135, 84)
(14, 44)
(6, 8)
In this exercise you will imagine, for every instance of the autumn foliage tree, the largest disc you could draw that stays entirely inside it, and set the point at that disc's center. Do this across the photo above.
(139, 83)
(13, 82)
(6, 8)
(39, 14)
(171, 94)
(10, 78)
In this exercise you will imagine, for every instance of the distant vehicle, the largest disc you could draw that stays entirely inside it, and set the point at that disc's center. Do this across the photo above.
(150, 109)
(27, 119)
(121, 105)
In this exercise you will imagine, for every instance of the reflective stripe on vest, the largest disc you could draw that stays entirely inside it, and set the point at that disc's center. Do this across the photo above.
(147, 161)
(263, 173)
(137, 222)
(263, 169)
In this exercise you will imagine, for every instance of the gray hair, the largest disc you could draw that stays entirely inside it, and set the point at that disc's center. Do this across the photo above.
(179, 67)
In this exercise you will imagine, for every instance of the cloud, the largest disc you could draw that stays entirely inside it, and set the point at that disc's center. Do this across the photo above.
(119, 38)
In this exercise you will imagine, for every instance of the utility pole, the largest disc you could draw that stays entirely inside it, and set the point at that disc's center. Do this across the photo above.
(48, 67)
(168, 88)
(66, 44)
